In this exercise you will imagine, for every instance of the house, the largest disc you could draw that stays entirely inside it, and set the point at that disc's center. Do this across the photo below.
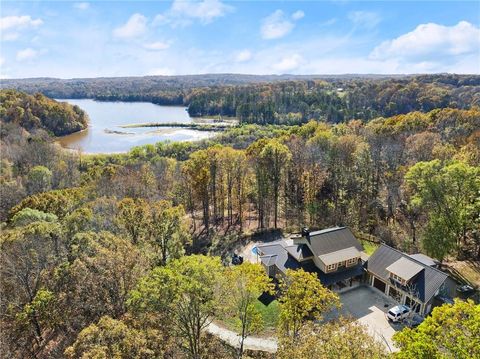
(410, 279)
(334, 254)
(337, 258)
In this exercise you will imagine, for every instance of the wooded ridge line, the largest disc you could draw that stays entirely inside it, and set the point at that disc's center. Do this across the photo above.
(275, 99)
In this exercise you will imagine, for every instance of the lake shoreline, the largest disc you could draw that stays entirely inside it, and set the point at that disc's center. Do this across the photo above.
(148, 123)
(192, 126)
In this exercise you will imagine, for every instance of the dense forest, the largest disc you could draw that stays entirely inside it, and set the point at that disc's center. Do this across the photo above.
(40, 112)
(124, 255)
(138, 86)
(297, 102)
(276, 99)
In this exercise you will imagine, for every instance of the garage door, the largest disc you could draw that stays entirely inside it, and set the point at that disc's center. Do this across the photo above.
(377, 283)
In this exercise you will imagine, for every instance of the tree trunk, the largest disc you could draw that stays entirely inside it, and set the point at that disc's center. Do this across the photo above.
(275, 204)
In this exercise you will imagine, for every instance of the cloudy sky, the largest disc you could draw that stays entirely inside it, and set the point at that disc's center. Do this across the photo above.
(120, 38)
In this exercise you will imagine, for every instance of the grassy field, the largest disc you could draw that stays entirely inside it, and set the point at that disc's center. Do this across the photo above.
(369, 247)
(269, 313)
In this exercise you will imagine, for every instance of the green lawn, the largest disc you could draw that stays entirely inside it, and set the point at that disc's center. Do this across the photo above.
(269, 313)
(369, 247)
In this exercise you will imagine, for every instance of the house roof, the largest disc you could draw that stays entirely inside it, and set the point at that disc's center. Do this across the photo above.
(426, 283)
(340, 256)
(269, 259)
(299, 252)
(405, 268)
(332, 240)
(424, 259)
(276, 254)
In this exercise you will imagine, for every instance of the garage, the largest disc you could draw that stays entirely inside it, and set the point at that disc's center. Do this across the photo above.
(377, 283)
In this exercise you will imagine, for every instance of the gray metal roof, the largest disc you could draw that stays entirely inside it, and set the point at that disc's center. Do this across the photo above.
(269, 259)
(332, 240)
(299, 251)
(405, 268)
(424, 259)
(340, 256)
(276, 254)
(427, 282)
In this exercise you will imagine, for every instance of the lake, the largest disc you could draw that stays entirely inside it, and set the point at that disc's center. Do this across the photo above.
(104, 134)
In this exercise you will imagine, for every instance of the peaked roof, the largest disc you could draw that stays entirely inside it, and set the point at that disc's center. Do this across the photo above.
(427, 282)
(332, 239)
(405, 268)
(299, 251)
(276, 254)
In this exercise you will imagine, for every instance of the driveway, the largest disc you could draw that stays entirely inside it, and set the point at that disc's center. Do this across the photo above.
(368, 306)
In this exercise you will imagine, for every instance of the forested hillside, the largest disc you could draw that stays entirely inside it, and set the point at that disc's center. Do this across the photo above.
(121, 255)
(335, 101)
(138, 86)
(276, 99)
(33, 112)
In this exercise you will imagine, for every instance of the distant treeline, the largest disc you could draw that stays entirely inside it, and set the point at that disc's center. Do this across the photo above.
(342, 100)
(276, 99)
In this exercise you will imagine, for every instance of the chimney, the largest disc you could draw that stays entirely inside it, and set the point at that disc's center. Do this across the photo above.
(306, 233)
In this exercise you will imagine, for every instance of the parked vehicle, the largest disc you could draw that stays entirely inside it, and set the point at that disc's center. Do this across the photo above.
(465, 289)
(398, 313)
(415, 321)
(236, 259)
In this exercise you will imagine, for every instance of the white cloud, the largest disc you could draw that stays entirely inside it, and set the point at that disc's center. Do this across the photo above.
(182, 13)
(243, 56)
(288, 63)
(81, 5)
(297, 15)
(365, 19)
(161, 71)
(432, 42)
(157, 46)
(277, 25)
(18, 22)
(27, 54)
(135, 26)
(2, 61)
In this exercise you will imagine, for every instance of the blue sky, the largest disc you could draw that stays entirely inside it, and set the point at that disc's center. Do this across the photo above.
(120, 38)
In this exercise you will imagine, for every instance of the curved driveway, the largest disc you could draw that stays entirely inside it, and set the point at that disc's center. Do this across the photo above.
(233, 339)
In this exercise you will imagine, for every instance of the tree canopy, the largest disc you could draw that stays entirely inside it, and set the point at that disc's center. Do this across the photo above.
(452, 331)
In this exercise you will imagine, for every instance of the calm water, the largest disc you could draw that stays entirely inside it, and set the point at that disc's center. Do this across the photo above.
(104, 134)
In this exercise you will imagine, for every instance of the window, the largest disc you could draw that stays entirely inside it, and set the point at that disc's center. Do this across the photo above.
(397, 278)
(331, 267)
(352, 261)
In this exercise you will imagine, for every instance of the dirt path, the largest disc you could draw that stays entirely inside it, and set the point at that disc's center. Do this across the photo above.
(233, 339)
